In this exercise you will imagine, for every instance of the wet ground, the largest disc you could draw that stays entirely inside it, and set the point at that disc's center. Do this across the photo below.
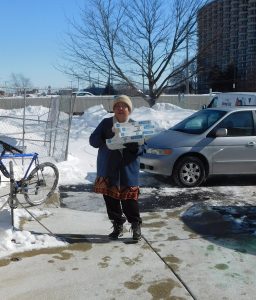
(224, 207)
(153, 198)
(192, 234)
(73, 197)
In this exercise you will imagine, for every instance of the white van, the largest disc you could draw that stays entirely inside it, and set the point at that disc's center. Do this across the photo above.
(233, 99)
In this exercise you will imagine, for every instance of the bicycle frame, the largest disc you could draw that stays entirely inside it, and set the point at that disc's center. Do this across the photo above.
(33, 156)
(37, 184)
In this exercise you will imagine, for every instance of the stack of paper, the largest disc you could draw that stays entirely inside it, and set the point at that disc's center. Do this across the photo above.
(130, 132)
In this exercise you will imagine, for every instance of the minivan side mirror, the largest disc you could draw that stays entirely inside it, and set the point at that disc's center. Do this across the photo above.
(204, 106)
(221, 132)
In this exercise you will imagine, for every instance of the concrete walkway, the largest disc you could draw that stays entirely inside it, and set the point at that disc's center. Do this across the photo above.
(183, 255)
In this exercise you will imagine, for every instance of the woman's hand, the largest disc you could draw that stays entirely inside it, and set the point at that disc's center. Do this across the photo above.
(132, 147)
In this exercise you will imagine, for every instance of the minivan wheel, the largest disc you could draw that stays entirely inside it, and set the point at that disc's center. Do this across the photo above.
(189, 172)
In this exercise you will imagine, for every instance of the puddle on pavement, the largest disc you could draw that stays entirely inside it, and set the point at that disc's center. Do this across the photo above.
(61, 253)
(105, 262)
(173, 262)
(131, 261)
(4, 262)
(210, 248)
(173, 238)
(134, 283)
(221, 266)
(163, 289)
(228, 226)
(145, 246)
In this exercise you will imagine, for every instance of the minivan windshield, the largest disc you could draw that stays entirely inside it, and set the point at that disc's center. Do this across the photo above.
(199, 121)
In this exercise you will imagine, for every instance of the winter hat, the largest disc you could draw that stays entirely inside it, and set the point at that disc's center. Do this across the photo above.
(123, 99)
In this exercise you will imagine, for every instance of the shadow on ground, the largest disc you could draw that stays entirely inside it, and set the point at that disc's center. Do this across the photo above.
(233, 227)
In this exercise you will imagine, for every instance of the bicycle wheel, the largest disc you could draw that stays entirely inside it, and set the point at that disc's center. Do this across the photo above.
(41, 183)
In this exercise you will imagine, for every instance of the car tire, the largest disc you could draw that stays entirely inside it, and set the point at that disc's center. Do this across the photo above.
(189, 171)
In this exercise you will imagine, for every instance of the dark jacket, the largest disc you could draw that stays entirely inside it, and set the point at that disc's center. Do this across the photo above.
(121, 167)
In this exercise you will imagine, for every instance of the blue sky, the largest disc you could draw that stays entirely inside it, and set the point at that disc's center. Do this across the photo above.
(31, 32)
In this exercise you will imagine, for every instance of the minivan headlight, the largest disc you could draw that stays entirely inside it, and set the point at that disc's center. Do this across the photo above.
(159, 151)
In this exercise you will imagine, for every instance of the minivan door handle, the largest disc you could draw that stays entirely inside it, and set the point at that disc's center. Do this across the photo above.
(251, 144)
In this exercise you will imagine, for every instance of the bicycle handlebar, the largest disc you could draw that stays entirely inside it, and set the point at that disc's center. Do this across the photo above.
(10, 148)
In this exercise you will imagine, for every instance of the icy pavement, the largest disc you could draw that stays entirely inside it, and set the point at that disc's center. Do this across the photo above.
(197, 244)
(182, 256)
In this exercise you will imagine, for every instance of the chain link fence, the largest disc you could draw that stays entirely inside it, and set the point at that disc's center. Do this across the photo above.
(41, 122)
(37, 123)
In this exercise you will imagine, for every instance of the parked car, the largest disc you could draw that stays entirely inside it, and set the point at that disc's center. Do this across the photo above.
(82, 94)
(232, 99)
(209, 142)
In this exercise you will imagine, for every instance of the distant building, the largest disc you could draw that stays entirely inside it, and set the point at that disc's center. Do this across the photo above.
(227, 45)
(65, 92)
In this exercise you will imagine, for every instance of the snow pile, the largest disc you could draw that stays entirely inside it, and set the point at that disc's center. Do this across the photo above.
(79, 168)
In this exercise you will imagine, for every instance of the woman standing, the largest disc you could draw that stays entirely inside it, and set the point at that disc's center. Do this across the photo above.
(118, 172)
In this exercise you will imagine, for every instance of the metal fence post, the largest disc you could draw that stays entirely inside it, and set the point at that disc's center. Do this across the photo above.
(24, 120)
(71, 110)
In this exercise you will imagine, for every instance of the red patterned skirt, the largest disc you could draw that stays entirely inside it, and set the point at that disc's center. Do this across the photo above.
(102, 186)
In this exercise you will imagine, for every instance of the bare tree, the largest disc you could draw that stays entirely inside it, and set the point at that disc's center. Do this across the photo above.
(142, 42)
(20, 82)
(188, 76)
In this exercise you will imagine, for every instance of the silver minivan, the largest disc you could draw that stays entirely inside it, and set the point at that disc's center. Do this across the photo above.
(213, 141)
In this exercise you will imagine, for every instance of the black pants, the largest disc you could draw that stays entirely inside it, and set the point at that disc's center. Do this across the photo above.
(116, 210)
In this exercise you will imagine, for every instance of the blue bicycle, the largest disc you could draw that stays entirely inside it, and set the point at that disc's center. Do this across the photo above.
(37, 185)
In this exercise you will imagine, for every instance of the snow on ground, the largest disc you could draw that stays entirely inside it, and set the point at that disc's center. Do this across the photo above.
(81, 164)
(79, 168)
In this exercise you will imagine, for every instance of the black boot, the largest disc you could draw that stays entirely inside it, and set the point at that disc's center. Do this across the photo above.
(136, 231)
(117, 231)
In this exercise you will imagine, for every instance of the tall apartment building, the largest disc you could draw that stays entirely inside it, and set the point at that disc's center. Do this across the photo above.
(227, 38)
